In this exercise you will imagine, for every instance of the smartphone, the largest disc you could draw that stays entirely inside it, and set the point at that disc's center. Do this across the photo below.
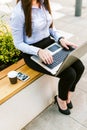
(23, 77)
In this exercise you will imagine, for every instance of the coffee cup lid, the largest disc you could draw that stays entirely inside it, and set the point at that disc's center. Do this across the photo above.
(12, 74)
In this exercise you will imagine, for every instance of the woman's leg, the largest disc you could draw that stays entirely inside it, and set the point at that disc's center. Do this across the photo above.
(67, 78)
(79, 68)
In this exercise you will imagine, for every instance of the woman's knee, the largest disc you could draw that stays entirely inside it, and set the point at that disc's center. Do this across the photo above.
(69, 74)
(79, 66)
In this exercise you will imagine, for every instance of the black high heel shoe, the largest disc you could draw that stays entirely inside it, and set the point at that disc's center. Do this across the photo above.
(66, 112)
(70, 105)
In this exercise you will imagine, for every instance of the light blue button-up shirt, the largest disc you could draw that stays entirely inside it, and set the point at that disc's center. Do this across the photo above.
(41, 21)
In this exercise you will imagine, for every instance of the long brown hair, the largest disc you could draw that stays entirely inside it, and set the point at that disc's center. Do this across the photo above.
(27, 6)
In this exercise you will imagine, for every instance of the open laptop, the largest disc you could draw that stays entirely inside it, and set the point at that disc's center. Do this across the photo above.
(63, 58)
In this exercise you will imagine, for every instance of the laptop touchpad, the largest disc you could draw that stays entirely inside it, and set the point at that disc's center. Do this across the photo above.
(54, 48)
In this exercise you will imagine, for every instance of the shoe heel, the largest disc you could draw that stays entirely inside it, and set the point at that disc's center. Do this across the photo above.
(70, 105)
(66, 112)
(55, 99)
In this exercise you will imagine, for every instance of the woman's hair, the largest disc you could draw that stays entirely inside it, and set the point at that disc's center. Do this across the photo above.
(27, 8)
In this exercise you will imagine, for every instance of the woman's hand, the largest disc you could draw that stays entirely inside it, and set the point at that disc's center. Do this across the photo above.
(64, 43)
(45, 56)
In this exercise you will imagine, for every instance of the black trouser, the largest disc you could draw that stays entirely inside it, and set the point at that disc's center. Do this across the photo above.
(68, 78)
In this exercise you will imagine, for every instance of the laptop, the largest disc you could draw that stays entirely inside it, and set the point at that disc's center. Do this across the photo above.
(62, 57)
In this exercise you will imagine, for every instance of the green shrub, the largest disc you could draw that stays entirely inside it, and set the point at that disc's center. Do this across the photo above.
(8, 53)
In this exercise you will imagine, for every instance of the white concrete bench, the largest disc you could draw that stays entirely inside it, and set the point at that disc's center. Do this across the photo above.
(22, 102)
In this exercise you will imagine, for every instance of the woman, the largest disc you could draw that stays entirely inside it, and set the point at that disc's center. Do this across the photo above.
(32, 29)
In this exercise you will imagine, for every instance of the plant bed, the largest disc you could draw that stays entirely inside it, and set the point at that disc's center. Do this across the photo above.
(8, 53)
(4, 66)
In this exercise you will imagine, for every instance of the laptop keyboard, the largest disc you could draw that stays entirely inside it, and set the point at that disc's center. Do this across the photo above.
(58, 58)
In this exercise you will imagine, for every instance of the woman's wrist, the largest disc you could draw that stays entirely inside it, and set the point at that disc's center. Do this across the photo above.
(59, 40)
(38, 52)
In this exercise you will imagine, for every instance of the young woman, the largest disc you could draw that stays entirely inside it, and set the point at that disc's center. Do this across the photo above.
(32, 29)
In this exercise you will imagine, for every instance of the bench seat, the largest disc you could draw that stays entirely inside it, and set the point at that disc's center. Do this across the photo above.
(7, 90)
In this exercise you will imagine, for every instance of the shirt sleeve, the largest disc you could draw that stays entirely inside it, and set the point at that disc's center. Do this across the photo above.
(17, 27)
(54, 33)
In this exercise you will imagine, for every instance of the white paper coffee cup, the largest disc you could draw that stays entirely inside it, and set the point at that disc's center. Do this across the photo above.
(12, 75)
